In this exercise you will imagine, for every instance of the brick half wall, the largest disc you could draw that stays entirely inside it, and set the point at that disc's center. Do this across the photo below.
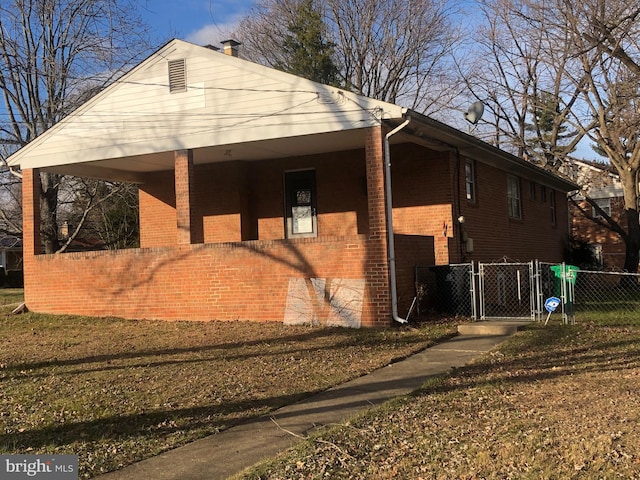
(231, 281)
(411, 251)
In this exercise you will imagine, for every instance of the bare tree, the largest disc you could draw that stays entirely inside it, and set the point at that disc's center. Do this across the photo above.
(608, 32)
(580, 63)
(529, 81)
(99, 214)
(54, 54)
(604, 38)
(391, 50)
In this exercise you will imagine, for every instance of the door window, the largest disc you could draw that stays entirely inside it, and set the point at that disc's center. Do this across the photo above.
(300, 190)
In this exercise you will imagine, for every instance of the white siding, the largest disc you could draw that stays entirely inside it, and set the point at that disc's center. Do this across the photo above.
(228, 100)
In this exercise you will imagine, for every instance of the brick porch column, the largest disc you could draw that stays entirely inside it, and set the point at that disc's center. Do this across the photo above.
(184, 196)
(377, 308)
(31, 244)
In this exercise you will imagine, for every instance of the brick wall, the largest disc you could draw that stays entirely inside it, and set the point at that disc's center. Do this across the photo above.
(157, 203)
(613, 248)
(239, 266)
(426, 204)
(238, 201)
(217, 276)
(411, 251)
(376, 266)
(422, 196)
(31, 244)
(241, 281)
(188, 228)
(495, 235)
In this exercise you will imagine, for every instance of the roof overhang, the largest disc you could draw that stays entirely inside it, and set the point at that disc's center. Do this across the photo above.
(132, 169)
(422, 130)
(441, 137)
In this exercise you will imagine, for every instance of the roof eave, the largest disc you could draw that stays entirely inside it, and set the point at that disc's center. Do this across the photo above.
(474, 148)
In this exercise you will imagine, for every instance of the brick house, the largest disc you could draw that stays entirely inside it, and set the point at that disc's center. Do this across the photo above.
(603, 186)
(10, 261)
(263, 196)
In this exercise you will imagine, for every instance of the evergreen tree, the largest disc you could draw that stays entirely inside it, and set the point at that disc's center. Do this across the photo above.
(551, 133)
(305, 49)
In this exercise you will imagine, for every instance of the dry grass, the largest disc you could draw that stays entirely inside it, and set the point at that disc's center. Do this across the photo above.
(115, 391)
(552, 403)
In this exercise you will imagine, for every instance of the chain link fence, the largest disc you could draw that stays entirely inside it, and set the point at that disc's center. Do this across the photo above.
(507, 290)
(610, 298)
(446, 290)
(510, 290)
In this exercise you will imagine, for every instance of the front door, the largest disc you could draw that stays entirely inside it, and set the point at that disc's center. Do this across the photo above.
(300, 191)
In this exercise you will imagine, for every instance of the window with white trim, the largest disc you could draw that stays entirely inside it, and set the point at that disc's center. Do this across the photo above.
(604, 204)
(300, 204)
(554, 218)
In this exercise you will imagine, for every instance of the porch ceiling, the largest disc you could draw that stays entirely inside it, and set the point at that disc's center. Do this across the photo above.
(133, 168)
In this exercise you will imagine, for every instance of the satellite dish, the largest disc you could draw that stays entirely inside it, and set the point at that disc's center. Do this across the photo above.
(475, 112)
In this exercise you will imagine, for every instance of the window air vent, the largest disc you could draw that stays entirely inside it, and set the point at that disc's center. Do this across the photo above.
(177, 75)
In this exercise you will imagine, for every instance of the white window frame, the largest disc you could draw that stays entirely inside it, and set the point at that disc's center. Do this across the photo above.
(293, 180)
(604, 204)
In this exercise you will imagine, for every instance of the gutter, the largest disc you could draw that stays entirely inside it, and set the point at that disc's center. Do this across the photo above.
(390, 242)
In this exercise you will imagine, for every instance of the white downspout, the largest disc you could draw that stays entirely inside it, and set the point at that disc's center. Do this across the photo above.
(390, 242)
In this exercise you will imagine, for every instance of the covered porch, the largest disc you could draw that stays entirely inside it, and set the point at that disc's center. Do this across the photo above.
(213, 246)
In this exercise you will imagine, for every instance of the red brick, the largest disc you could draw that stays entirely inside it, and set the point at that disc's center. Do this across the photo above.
(213, 241)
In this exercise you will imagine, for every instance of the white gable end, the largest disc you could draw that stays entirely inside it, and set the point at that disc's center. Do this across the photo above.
(227, 101)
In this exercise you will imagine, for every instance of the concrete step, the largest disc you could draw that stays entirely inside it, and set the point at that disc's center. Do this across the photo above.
(492, 327)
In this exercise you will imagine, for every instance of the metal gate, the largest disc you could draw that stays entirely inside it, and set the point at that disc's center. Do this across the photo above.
(507, 290)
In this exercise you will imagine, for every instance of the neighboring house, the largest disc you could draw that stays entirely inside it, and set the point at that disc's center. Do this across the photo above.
(263, 197)
(602, 184)
(11, 261)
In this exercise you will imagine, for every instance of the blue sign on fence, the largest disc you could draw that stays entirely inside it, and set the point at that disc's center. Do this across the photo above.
(551, 304)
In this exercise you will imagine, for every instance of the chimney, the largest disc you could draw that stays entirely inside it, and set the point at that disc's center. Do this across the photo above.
(231, 47)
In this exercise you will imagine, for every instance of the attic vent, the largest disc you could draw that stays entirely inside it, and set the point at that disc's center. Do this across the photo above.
(177, 75)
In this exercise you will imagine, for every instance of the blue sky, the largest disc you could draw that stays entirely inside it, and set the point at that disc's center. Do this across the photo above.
(209, 22)
(198, 21)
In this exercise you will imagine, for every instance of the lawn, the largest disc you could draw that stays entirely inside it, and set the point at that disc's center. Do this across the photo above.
(555, 402)
(552, 402)
(116, 391)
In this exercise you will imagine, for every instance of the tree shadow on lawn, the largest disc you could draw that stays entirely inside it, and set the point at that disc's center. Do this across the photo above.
(183, 424)
(545, 354)
(157, 423)
(272, 346)
(198, 422)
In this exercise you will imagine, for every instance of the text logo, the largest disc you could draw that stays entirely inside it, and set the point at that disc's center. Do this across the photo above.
(49, 467)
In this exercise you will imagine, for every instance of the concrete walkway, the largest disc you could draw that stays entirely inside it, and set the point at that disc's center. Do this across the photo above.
(219, 456)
